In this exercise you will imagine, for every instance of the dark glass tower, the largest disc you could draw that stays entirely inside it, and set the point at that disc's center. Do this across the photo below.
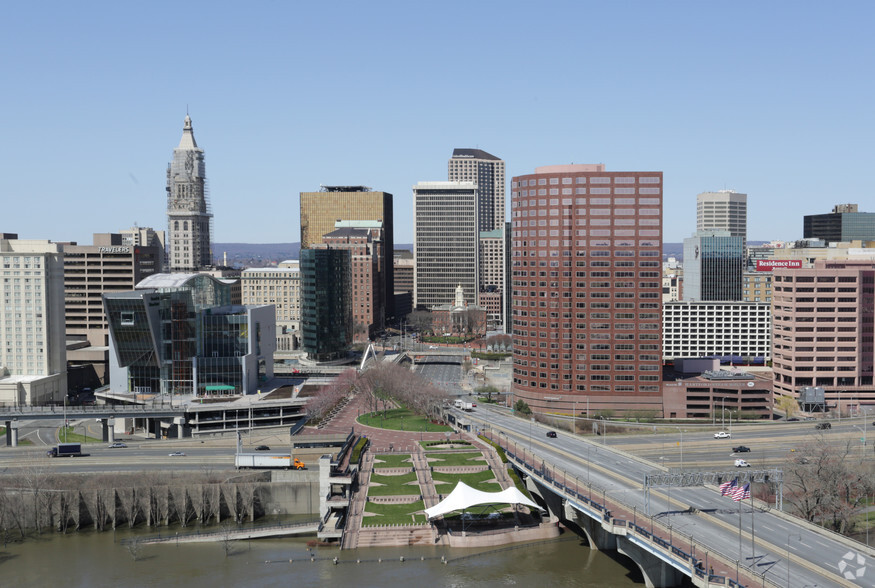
(326, 303)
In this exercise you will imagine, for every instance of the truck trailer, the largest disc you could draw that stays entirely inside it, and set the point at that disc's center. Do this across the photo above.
(267, 460)
(65, 450)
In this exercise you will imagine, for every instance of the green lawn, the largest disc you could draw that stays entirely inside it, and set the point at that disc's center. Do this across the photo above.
(394, 514)
(401, 419)
(393, 485)
(455, 459)
(73, 437)
(484, 481)
(393, 461)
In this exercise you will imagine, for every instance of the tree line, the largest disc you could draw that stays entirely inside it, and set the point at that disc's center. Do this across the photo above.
(37, 500)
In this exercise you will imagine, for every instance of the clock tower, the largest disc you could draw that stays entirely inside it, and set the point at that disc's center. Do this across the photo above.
(189, 218)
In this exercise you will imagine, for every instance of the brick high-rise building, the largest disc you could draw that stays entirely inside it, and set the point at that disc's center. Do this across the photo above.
(363, 240)
(587, 290)
(320, 211)
(823, 331)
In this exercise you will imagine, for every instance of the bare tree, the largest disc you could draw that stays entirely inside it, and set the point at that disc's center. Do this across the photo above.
(826, 483)
(130, 504)
(420, 320)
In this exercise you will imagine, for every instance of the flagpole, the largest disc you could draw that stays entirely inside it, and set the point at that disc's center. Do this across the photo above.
(752, 548)
(739, 529)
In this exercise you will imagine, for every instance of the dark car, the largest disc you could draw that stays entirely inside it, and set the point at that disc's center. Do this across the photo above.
(551, 434)
(262, 448)
(793, 419)
(823, 426)
(741, 449)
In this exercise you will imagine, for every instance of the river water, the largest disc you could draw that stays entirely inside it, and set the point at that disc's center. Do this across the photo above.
(100, 559)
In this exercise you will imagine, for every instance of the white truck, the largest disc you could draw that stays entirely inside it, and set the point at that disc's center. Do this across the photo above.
(466, 406)
(267, 460)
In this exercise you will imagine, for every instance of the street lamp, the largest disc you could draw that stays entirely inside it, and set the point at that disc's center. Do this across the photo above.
(682, 448)
(799, 537)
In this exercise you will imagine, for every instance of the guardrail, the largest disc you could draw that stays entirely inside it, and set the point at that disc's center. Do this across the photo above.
(662, 538)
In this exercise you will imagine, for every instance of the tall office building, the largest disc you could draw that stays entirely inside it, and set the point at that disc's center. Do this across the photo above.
(363, 240)
(321, 210)
(487, 172)
(724, 210)
(587, 290)
(326, 303)
(90, 271)
(446, 242)
(823, 322)
(844, 223)
(143, 236)
(713, 264)
(33, 366)
(280, 286)
(188, 209)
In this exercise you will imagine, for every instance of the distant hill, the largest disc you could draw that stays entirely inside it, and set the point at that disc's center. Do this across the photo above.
(264, 254)
(268, 254)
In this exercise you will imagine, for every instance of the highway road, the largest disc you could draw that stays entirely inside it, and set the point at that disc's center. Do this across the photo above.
(442, 371)
(772, 444)
(814, 557)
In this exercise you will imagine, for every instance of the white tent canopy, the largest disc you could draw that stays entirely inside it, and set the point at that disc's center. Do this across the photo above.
(464, 496)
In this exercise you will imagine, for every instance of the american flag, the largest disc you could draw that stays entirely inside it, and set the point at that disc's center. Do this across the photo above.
(726, 487)
(741, 493)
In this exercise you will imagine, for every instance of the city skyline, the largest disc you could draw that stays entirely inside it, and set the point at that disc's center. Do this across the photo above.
(782, 116)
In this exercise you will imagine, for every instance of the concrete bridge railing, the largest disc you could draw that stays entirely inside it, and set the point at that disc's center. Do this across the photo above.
(662, 553)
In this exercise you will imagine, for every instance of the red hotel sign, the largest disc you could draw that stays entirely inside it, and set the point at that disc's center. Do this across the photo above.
(767, 265)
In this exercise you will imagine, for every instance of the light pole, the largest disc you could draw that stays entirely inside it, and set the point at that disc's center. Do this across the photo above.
(723, 413)
(839, 406)
(682, 449)
(799, 537)
(531, 422)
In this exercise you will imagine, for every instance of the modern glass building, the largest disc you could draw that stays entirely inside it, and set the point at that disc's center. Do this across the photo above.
(844, 223)
(326, 303)
(176, 340)
(713, 264)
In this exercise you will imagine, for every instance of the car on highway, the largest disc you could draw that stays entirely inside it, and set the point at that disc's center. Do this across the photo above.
(823, 426)
(117, 445)
(551, 434)
(722, 435)
(740, 463)
(432, 347)
(176, 454)
(793, 419)
(262, 448)
(740, 449)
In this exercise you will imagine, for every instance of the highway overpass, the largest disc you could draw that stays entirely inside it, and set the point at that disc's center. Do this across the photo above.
(601, 492)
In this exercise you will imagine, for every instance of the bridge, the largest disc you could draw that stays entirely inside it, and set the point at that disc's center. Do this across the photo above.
(676, 531)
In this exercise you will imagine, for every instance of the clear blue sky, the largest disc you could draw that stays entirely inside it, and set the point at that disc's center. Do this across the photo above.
(774, 99)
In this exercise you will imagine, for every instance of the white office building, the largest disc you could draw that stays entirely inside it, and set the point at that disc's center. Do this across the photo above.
(724, 210)
(33, 358)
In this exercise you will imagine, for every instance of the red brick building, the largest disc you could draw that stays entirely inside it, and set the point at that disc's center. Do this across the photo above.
(364, 242)
(587, 289)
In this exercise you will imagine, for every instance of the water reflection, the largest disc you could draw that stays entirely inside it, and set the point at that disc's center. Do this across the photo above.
(98, 559)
